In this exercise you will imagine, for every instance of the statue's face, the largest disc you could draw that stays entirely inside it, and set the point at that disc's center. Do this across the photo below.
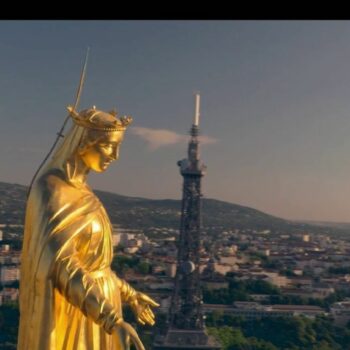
(101, 154)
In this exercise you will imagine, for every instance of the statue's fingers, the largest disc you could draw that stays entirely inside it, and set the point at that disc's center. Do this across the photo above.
(139, 319)
(149, 315)
(143, 315)
(147, 318)
(149, 300)
(153, 302)
(150, 312)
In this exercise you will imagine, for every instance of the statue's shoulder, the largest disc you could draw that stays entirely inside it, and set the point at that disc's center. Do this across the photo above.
(52, 181)
(55, 189)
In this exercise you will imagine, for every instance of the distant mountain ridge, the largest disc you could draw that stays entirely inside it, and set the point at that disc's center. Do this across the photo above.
(143, 213)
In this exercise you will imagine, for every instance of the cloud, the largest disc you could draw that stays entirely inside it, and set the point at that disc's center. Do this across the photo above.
(157, 138)
(207, 140)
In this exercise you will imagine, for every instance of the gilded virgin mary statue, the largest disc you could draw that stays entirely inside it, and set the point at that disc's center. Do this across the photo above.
(69, 296)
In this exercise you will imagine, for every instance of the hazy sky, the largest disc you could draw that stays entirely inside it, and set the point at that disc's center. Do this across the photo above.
(275, 105)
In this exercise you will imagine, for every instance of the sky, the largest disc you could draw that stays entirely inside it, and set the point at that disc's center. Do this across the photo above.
(275, 106)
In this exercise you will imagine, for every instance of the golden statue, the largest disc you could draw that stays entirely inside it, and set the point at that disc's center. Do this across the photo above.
(69, 296)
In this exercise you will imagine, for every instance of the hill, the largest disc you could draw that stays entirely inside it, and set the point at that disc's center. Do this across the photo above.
(143, 213)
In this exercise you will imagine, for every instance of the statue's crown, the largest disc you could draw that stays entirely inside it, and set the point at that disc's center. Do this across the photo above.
(93, 118)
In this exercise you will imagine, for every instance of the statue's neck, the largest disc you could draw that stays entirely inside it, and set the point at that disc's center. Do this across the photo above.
(77, 171)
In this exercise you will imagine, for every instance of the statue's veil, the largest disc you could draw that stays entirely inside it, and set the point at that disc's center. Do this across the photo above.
(66, 150)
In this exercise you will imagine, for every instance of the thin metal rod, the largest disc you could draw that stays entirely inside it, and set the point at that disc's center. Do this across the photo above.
(60, 133)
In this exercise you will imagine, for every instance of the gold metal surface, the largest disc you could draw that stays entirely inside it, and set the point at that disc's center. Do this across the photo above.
(69, 296)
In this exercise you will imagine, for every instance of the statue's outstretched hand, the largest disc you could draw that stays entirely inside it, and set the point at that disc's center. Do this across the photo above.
(141, 306)
(130, 330)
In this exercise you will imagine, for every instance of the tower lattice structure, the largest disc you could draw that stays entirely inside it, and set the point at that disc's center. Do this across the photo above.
(186, 306)
(185, 324)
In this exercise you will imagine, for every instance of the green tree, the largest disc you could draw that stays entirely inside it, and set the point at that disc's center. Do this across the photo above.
(230, 338)
(9, 319)
(143, 267)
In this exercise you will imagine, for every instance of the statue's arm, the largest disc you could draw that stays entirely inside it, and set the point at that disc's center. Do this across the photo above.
(127, 292)
(80, 289)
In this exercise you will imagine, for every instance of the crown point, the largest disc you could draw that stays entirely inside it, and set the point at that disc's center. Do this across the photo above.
(113, 112)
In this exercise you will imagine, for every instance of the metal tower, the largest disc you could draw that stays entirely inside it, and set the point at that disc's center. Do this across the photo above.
(186, 328)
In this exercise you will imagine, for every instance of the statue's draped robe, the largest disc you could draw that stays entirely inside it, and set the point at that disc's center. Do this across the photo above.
(69, 297)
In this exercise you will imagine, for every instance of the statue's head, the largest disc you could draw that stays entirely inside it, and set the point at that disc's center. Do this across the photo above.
(103, 135)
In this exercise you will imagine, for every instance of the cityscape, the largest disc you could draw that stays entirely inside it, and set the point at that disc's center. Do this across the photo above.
(240, 275)
(238, 229)
(245, 274)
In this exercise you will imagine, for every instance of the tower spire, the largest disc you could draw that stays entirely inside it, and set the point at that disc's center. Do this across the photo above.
(196, 110)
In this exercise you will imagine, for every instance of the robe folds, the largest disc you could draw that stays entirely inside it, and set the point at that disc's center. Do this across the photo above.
(70, 298)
